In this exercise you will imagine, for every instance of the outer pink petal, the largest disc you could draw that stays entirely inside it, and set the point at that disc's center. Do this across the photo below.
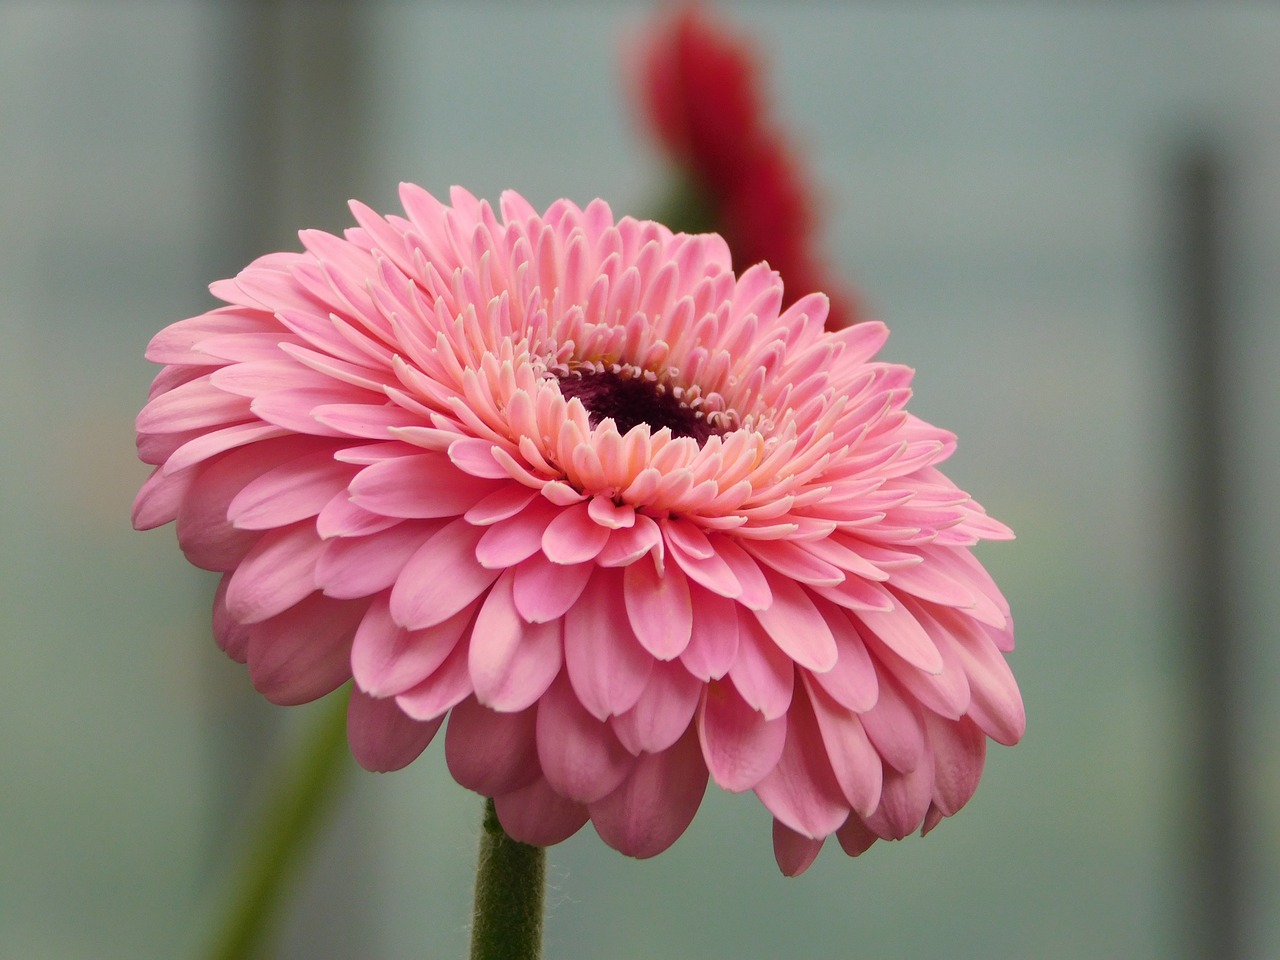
(506, 542)
(959, 750)
(739, 745)
(545, 591)
(904, 800)
(855, 837)
(489, 752)
(290, 492)
(895, 727)
(796, 626)
(659, 608)
(304, 652)
(441, 578)
(445, 688)
(382, 738)
(713, 647)
(160, 498)
(231, 636)
(657, 801)
(852, 682)
(387, 660)
(605, 663)
(761, 673)
(423, 487)
(573, 537)
(902, 633)
(663, 712)
(755, 594)
(856, 764)
(794, 852)
(511, 662)
(801, 790)
(536, 814)
(360, 566)
(277, 573)
(580, 756)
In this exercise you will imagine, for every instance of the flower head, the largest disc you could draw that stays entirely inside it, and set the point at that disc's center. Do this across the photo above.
(700, 91)
(608, 507)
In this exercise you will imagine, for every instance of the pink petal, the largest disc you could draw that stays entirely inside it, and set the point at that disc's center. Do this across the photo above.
(904, 800)
(855, 838)
(580, 756)
(197, 405)
(713, 644)
(573, 537)
(761, 673)
(204, 532)
(441, 578)
(443, 689)
(475, 457)
(361, 566)
(628, 544)
(160, 499)
(755, 594)
(902, 633)
(796, 626)
(342, 518)
(505, 502)
(489, 752)
(506, 542)
(536, 814)
(382, 738)
(206, 446)
(947, 691)
(290, 492)
(231, 636)
(696, 555)
(305, 652)
(277, 573)
(656, 803)
(995, 703)
(739, 745)
(794, 562)
(659, 608)
(852, 682)
(544, 591)
(605, 663)
(663, 712)
(511, 662)
(959, 751)
(420, 487)
(387, 660)
(895, 727)
(793, 851)
(801, 790)
(854, 761)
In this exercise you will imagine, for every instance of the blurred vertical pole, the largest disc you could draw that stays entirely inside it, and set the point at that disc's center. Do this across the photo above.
(285, 123)
(1213, 827)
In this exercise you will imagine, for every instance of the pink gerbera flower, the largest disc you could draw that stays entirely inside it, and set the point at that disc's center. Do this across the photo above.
(575, 485)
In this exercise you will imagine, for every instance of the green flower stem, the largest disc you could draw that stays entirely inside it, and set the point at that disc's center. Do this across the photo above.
(510, 885)
(290, 821)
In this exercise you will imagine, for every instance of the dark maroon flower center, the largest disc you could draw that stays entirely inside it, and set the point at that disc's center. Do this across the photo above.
(632, 400)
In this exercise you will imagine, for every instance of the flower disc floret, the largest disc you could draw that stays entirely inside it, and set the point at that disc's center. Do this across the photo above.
(623, 519)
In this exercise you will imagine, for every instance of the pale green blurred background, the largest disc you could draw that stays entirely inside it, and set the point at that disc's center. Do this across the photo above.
(996, 180)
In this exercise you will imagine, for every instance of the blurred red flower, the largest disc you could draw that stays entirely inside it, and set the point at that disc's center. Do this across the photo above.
(700, 91)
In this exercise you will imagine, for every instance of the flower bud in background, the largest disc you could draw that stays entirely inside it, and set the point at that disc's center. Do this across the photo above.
(700, 93)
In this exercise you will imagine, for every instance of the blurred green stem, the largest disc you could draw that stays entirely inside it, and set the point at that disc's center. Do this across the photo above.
(510, 885)
(289, 823)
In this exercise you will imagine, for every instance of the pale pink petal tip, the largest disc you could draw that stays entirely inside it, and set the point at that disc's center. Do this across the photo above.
(625, 523)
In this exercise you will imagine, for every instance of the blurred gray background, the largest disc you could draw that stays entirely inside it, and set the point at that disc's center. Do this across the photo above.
(1001, 182)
